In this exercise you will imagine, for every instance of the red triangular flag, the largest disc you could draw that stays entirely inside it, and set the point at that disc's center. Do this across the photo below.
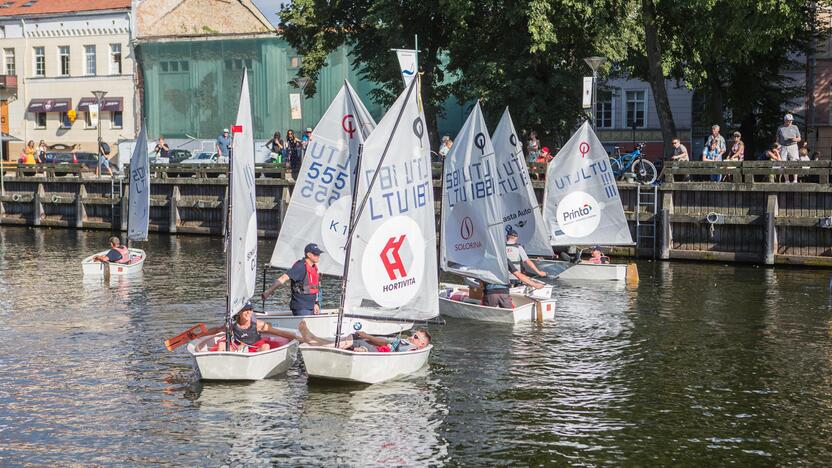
(236, 129)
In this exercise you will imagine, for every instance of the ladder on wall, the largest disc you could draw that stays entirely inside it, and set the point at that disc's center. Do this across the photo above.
(646, 198)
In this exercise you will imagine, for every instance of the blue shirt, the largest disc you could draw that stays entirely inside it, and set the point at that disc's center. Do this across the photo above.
(113, 255)
(299, 300)
(224, 142)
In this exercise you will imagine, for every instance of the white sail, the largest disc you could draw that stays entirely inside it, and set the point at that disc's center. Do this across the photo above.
(319, 211)
(139, 198)
(521, 209)
(393, 254)
(242, 243)
(582, 205)
(473, 238)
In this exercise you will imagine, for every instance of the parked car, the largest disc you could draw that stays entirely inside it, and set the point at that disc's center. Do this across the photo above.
(176, 157)
(88, 160)
(203, 157)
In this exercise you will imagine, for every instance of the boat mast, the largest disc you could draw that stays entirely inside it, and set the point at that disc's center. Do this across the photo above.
(355, 214)
(228, 247)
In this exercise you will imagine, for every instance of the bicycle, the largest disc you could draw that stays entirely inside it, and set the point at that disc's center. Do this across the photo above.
(644, 170)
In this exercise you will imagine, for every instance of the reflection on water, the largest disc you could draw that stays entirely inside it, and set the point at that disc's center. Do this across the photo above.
(701, 364)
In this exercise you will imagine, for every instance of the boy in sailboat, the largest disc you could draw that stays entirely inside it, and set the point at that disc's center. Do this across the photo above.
(597, 256)
(116, 254)
(247, 334)
(363, 342)
(305, 283)
(517, 255)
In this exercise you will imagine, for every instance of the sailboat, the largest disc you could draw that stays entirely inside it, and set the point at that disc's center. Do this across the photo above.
(240, 267)
(319, 210)
(390, 253)
(582, 206)
(138, 217)
(481, 199)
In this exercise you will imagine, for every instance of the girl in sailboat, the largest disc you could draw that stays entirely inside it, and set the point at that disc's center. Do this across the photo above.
(247, 334)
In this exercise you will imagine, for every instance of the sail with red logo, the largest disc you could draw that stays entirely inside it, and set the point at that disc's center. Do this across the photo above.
(581, 204)
(473, 237)
(319, 211)
(391, 255)
(521, 210)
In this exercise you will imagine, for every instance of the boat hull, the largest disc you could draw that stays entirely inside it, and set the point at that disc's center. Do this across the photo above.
(92, 268)
(225, 365)
(527, 309)
(586, 271)
(325, 324)
(370, 368)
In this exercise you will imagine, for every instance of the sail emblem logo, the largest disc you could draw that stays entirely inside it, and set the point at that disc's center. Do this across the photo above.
(583, 148)
(578, 214)
(393, 262)
(391, 259)
(466, 229)
(348, 124)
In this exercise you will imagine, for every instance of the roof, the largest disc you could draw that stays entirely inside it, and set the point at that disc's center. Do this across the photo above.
(47, 7)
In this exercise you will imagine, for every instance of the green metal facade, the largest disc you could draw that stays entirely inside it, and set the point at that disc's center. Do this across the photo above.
(191, 88)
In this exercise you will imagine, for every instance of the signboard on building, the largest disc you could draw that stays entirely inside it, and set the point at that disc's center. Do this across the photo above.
(294, 103)
(93, 111)
(586, 102)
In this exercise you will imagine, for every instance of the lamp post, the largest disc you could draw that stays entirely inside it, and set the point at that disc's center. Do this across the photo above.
(301, 82)
(594, 63)
(99, 95)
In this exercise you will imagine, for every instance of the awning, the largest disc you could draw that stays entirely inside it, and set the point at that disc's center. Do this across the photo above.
(49, 105)
(108, 104)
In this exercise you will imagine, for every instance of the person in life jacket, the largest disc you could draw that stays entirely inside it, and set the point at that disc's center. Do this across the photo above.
(247, 334)
(116, 254)
(597, 256)
(517, 256)
(305, 283)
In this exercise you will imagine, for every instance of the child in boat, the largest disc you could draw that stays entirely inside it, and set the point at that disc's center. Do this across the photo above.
(247, 334)
(363, 342)
(116, 254)
(597, 256)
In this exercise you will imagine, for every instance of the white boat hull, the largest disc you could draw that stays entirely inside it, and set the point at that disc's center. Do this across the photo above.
(225, 365)
(526, 309)
(338, 364)
(588, 271)
(326, 324)
(136, 265)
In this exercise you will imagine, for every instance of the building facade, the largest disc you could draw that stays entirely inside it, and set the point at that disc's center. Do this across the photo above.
(53, 55)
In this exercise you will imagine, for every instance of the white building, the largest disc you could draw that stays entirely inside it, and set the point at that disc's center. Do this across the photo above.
(53, 54)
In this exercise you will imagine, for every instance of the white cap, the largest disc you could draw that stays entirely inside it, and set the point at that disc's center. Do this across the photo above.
(788, 117)
(225, 130)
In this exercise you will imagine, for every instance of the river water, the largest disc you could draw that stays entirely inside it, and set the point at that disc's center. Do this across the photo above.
(702, 364)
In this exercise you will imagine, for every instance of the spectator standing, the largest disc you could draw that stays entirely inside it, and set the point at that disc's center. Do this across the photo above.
(294, 150)
(533, 146)
(28, 153)
(162, 149)
(306, 138)
(788, 136)
(74, 152)
(444, 147)
(737, 152)
(276, 147)
(773, 154)
(680, 153)
(543, 157)
(41, 155)
(720, 143)
(224, 145)
(104, 157)
(803, 152)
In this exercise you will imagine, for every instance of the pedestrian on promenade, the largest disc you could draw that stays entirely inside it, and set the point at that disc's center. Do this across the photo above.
(803, 151)
(104, 157)
(788, 136)
(737, 152)
(306, 138)
(28, 153)
(720, 143)
(445, 147)
(293, 153)
(275, 146)
(680, 153)
(773, 154)
(41, 154)
(162, 149)
(305, 283)
(533, 146)
(224, 146)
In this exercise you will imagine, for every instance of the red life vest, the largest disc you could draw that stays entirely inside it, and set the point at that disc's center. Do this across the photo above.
(313, 279)
(125, 254)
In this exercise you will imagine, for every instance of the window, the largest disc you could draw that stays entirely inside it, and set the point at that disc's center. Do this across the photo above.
(604, 111)
(636, 108)
(88, 120)
(40, 120)
(8, 55)
(294, 62)
(40, 62)
(116, 119)
(115, 59)
(65, 123)
(175, 66)
(63, 58)
(89, 54)
(237, 64)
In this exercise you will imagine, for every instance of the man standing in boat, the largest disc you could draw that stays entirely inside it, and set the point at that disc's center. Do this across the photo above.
(517, 256)
(305, 283)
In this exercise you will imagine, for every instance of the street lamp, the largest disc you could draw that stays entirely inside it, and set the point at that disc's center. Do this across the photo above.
(99, 95)
(301, 82)
(594, 63)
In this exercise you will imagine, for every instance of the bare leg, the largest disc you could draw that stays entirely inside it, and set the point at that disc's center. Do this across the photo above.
(308, 337)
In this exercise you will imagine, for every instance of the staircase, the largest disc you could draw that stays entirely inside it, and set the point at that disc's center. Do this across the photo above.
(647, 202)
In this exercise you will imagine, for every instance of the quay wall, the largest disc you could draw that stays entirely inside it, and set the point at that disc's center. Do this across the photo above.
(746, 221)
